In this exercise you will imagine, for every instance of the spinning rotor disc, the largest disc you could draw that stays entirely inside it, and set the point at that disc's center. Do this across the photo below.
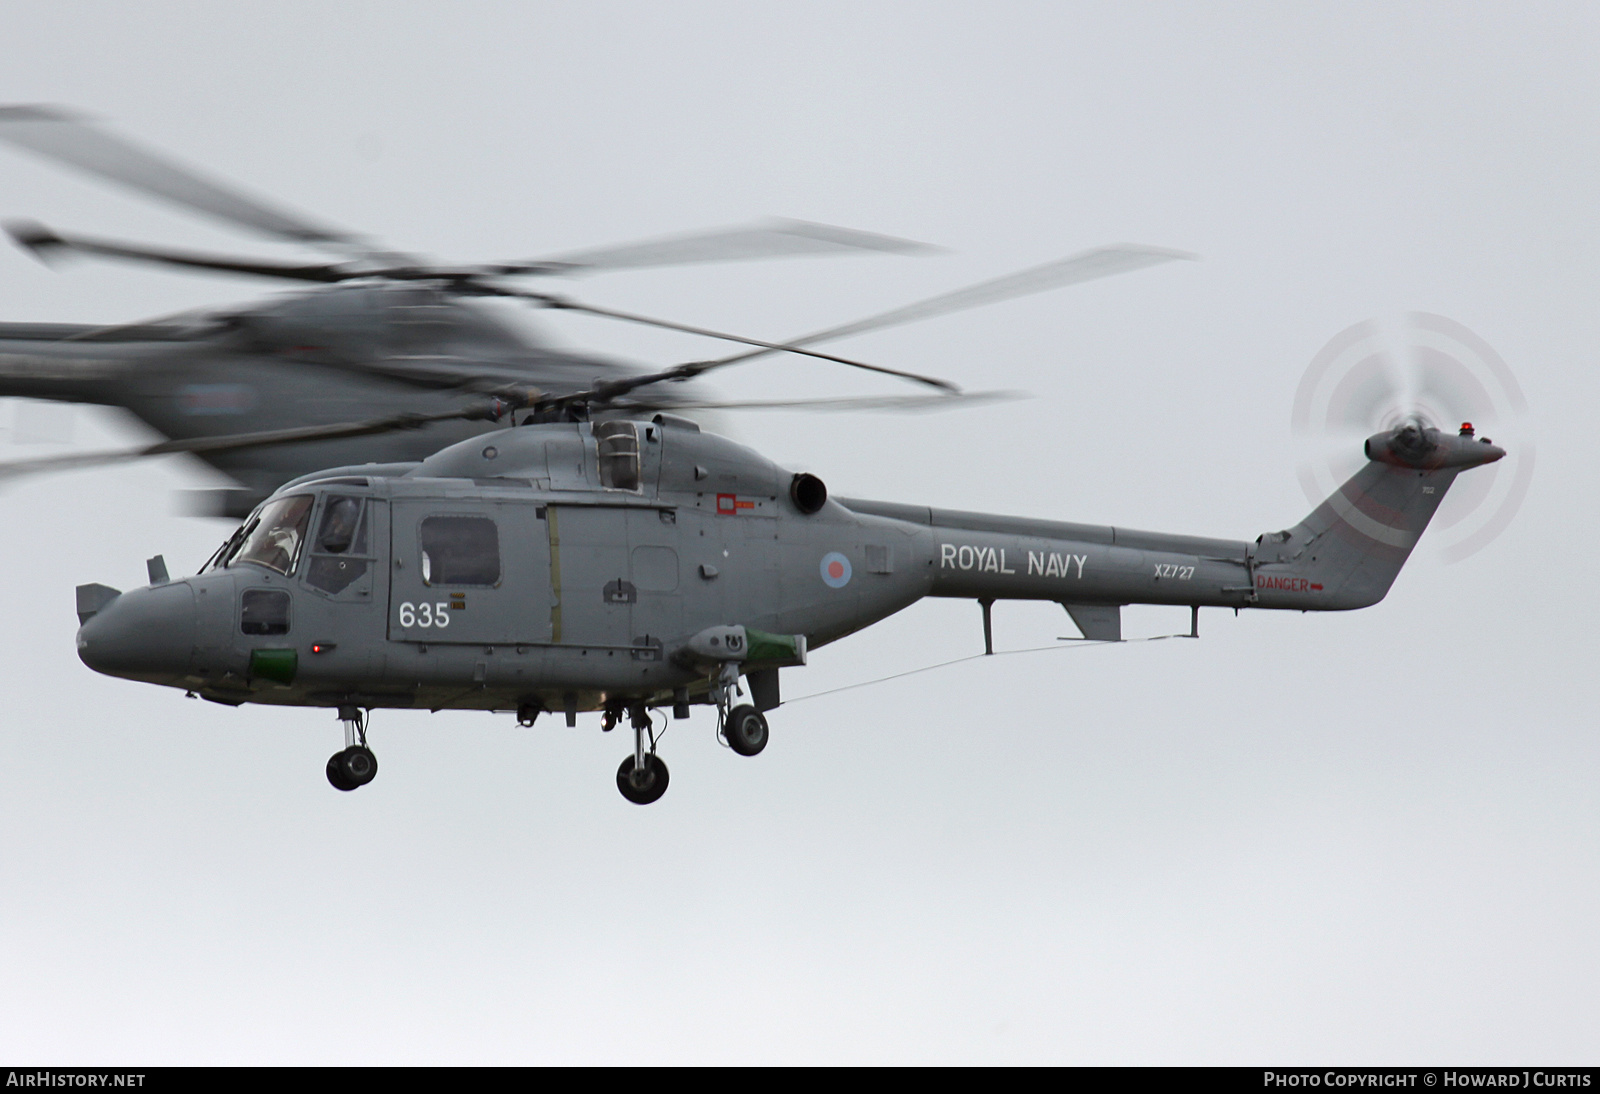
(1418, 367)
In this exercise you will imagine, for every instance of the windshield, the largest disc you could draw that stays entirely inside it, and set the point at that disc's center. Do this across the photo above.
(219, 557)
(272, 538)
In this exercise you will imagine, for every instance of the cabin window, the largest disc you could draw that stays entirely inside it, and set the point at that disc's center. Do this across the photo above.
(619, 454)
(273, 537)
(264, 611)
(460, 551)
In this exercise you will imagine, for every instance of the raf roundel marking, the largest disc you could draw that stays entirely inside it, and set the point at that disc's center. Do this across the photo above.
(835, 570)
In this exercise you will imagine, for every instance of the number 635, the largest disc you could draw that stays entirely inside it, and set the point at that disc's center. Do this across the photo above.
(425, 614)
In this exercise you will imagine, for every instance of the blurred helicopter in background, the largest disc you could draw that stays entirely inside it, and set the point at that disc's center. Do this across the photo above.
(387, 334)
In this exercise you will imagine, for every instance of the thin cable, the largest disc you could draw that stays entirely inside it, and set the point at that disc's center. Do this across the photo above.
(1074, 643)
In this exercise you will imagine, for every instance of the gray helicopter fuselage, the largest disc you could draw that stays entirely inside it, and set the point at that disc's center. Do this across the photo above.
(578, 585)
(582, 565)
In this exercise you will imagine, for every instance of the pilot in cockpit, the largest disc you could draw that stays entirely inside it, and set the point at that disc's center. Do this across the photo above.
(275, 540)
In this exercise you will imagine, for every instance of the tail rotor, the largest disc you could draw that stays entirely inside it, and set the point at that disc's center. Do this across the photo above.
(1425, 371)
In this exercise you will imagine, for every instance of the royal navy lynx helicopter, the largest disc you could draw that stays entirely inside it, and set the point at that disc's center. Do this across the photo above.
(632, 565)
(381, 332)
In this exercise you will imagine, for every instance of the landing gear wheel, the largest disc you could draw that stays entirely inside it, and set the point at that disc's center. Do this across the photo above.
(355, 766)
(360, 764)
(646, 786)
(336, 776)
(746, 730)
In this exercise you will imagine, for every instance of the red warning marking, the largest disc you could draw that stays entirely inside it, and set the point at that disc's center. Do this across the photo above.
(728, 505)
(1287, 584)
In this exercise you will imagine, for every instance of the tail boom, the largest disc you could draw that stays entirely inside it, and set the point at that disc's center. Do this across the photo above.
(1344, 555)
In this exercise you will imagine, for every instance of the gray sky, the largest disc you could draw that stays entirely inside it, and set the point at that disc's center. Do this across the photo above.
(1368, 837)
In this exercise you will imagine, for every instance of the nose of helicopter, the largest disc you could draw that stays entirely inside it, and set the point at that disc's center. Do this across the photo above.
(144, 634)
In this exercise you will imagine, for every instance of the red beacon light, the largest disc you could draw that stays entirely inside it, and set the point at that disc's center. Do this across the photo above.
(1466, 429)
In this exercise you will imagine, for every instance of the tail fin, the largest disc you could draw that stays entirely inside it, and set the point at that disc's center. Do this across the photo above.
(1347, 553)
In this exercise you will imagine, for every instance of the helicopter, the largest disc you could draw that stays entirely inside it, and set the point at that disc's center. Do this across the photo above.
(633, 565)
(385, 332)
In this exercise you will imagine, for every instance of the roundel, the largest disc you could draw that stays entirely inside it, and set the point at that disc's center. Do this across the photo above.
(835, 570)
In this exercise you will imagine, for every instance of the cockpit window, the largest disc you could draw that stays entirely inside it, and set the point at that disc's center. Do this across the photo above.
(341, 520)
(273, 537)
(220, 556)
(339, 549)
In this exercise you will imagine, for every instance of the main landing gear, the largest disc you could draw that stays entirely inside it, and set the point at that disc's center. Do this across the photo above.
(742, 725)
(745, 730)
(642, 777)
(356, 765)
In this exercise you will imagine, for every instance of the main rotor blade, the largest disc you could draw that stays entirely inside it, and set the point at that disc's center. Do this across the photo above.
(230, 442)
(68, 138)
(677, 373)
(774, 238)
(1096, 263)
(1087, 266)
(45, 243)
(913, 403)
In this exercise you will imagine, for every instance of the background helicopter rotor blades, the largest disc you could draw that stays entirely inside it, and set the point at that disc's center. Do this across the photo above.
(71, 139)
(68, 138)
(723, 245)
(46, 244)
(564, 304)
(907, 403)
(772, 238)
(1086, 266)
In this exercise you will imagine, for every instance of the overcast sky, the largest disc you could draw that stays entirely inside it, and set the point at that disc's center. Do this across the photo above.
(1367, 837)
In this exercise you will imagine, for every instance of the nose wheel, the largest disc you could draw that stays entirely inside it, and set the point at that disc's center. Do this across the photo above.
(643, 785)
(355, 766)
(642, 777)
(352, 768)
